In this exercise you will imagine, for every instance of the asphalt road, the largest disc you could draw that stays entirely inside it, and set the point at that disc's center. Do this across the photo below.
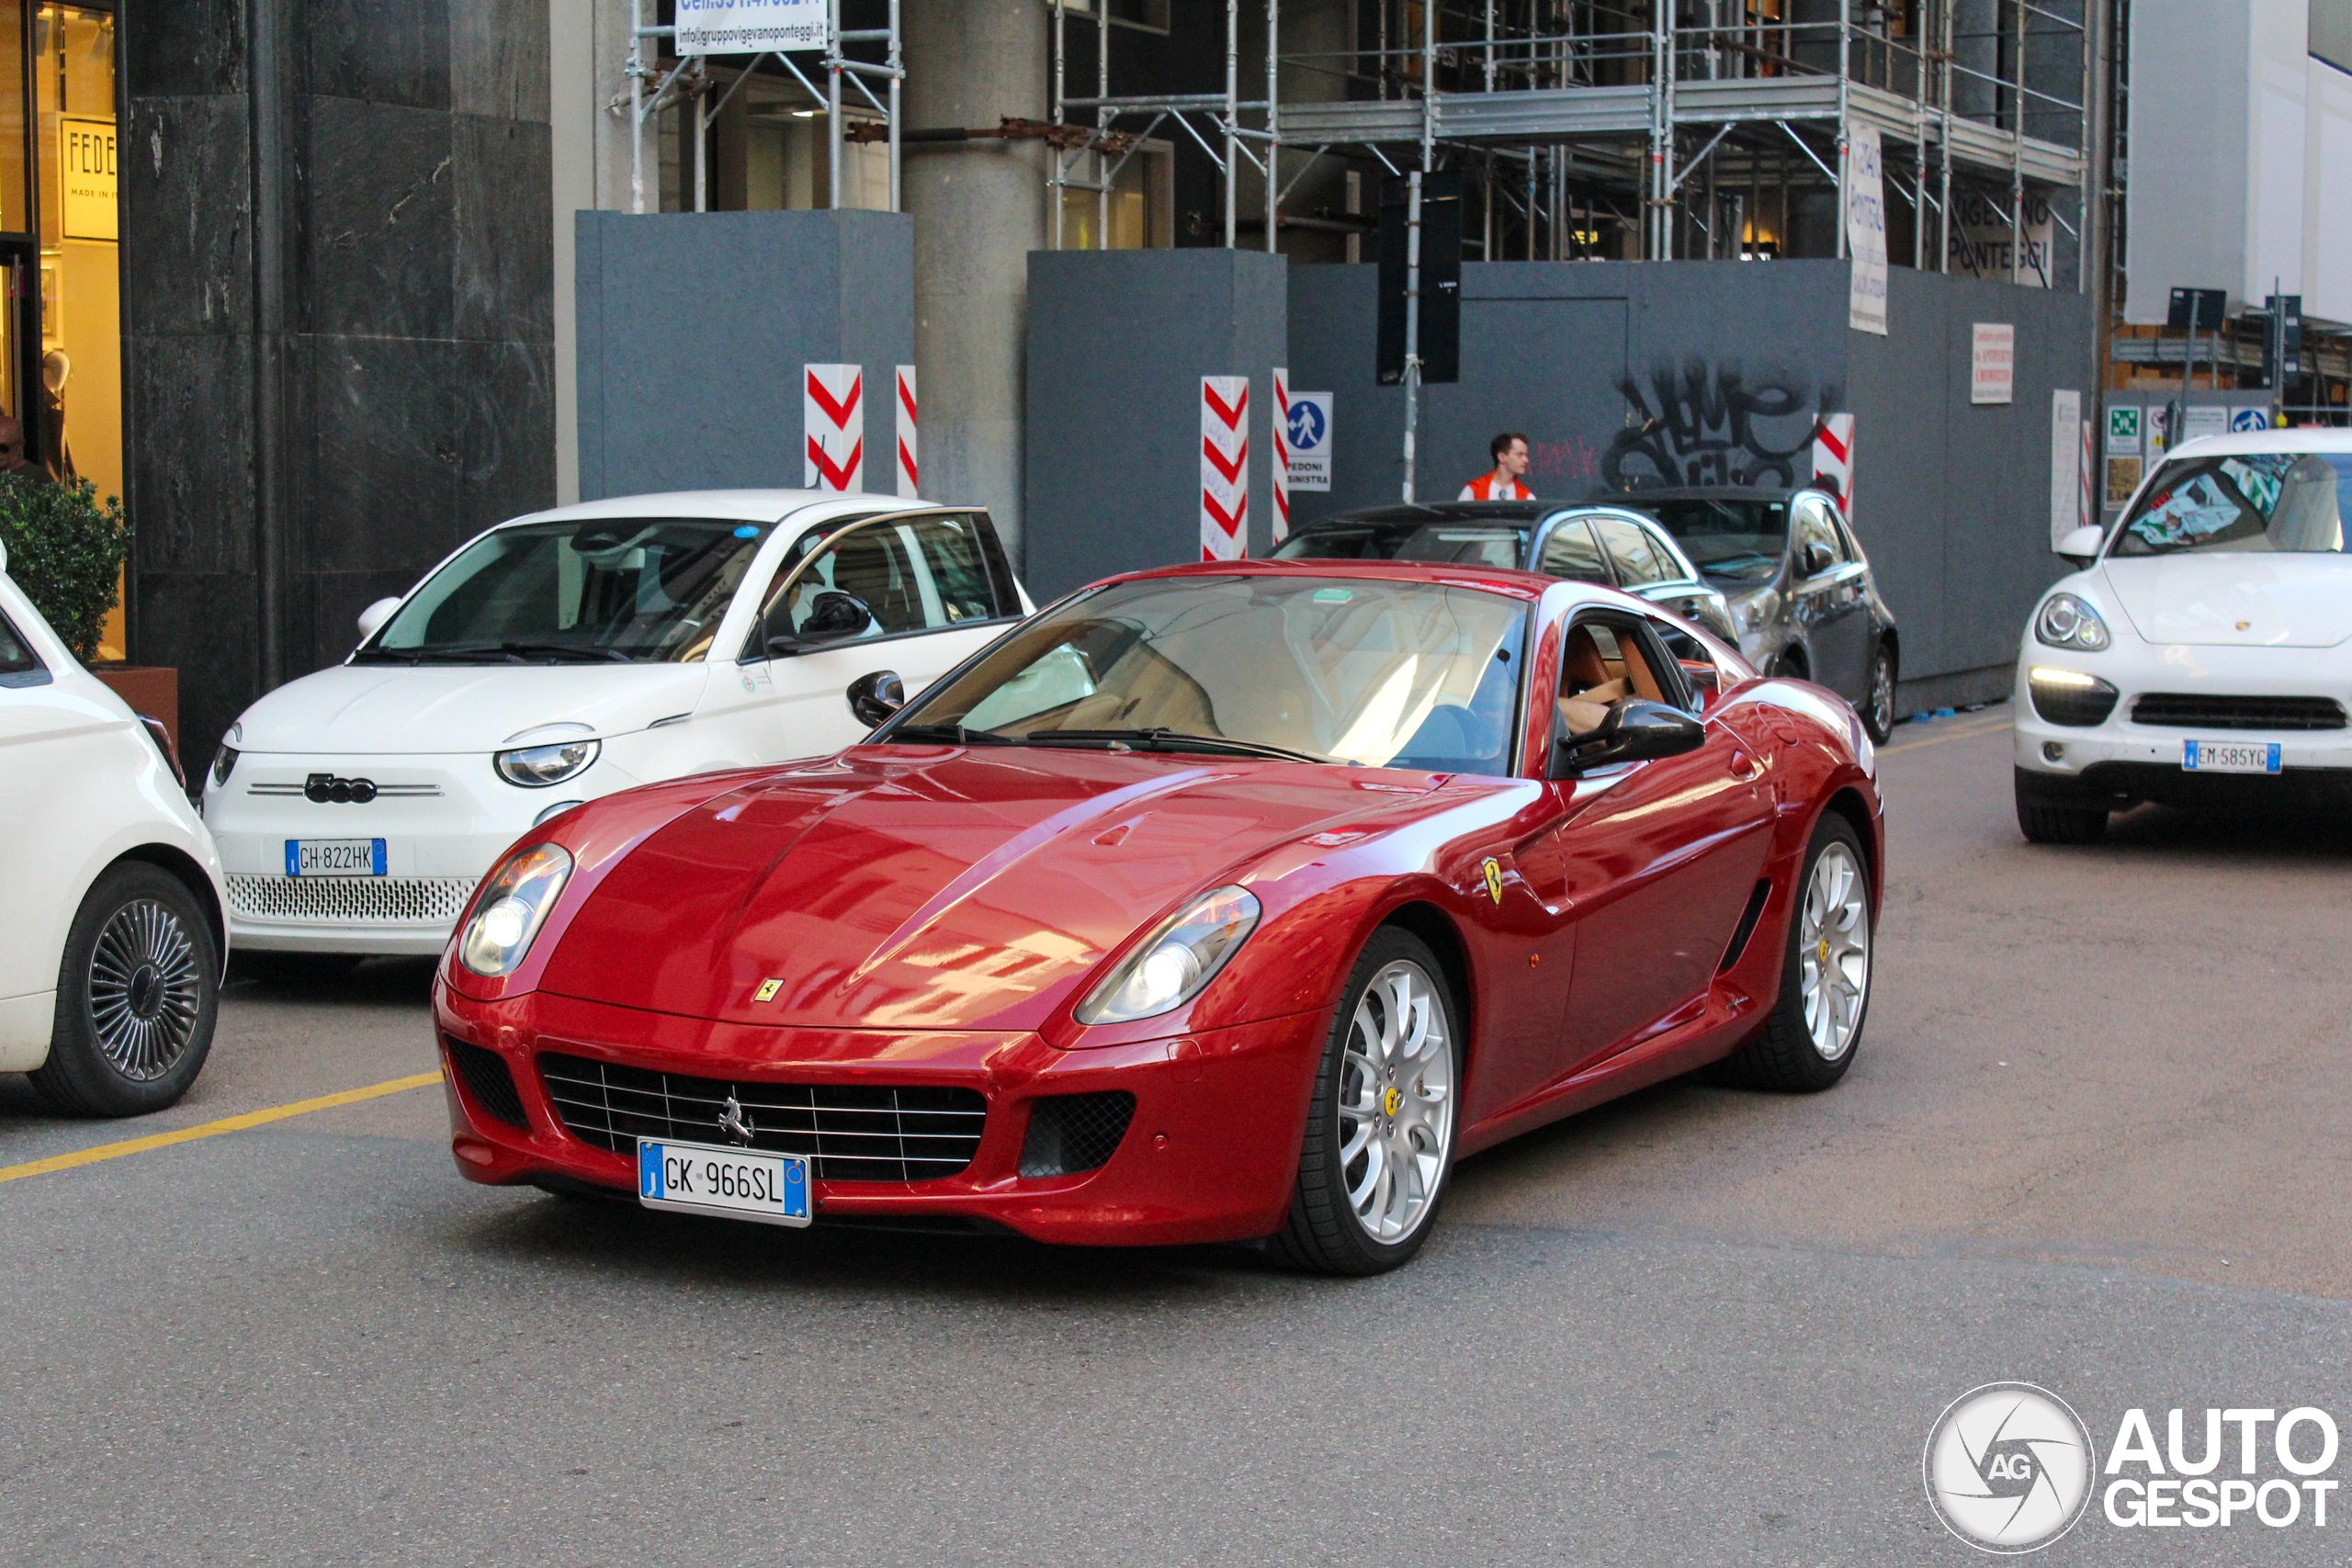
(2093, 1140)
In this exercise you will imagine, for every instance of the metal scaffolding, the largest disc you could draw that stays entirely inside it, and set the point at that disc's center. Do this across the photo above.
(1694, 127)
(688, 81)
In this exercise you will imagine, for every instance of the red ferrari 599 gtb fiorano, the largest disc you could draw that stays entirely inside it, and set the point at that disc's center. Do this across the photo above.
(1223, 902)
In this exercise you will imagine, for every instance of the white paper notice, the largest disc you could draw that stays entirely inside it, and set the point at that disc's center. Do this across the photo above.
(1865, 231)
(1991, 362)
(748, 27)
(2065, 464)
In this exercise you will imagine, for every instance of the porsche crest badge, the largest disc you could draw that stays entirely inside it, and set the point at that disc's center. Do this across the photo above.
(1495, 879)
(768, 988)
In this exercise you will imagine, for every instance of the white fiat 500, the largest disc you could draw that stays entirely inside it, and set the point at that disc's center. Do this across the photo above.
(110, 905)
(568, 654)
(2202, 656)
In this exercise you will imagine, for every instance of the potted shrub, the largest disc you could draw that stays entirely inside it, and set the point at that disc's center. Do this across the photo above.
(66, 551)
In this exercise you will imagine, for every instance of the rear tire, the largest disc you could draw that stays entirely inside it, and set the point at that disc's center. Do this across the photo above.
(1809, 1038)
(1380, 1122)
(138, 992)
(1878, 699)
(2044, 823)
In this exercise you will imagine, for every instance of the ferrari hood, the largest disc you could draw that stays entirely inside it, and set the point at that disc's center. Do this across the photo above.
(377, 709)
(973, 890)
(2237, 599)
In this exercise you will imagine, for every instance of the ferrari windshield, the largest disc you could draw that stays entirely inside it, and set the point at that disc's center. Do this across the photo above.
(1730, 541)
(1481, 542)
(1330, 670)
(2253, 501)
(623, 590)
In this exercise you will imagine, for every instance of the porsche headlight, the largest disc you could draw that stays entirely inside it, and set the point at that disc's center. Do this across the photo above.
(1182, 957)
(511, 910)
(2065, 621)
(537, 767)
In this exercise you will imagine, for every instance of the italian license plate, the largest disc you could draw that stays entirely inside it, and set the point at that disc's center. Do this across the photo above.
(334, 857)
(700, 1178)
(2230, 756)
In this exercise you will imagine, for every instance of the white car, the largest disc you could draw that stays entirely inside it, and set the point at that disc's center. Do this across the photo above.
(568, 654)
(2202, 656)
(114, 924)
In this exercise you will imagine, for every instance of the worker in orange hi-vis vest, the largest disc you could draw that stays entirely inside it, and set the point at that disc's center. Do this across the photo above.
(1509, 452)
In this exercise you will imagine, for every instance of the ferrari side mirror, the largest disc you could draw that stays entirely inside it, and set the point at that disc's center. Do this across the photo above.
(2081, 546)
(374, 616)
(875, 696)
(1636, 731)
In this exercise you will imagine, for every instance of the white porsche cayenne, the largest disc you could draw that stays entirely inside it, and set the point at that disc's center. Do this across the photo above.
(2202, 656)
(568, 654)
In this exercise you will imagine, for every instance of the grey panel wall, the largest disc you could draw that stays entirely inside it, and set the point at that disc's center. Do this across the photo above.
(1714, 373)
(1118, 342)
(338, 341)
(693, 328)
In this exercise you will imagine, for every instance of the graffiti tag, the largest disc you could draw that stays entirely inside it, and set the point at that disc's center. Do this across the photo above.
(1696, 427)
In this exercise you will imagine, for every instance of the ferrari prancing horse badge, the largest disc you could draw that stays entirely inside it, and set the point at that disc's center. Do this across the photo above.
(1495, 881)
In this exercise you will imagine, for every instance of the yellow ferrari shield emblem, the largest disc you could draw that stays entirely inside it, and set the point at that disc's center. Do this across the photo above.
(1495, 881)
(768, 988)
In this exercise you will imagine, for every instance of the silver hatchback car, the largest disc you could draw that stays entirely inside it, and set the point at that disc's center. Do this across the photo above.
(1798, 585)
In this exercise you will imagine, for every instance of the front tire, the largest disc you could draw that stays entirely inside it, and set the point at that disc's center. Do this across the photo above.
(2042, 822)
(1878, 701)
(137, 993)
(1379, 1145)
(1810, 1037)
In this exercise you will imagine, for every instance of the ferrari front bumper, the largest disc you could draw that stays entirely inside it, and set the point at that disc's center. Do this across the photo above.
(1209, 1153)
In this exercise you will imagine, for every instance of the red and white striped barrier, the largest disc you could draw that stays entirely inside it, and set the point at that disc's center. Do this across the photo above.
(832, 417)
(1833, 457)
(2089, 513)
(1282, 454)
(909, 467)
(1224, 468)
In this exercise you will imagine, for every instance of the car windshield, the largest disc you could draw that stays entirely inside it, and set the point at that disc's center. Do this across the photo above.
(1472, 544)
(1731, 541)
(2293, 502)
(1380, 673)
(618, 589)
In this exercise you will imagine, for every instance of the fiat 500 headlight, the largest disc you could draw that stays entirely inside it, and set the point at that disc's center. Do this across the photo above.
(2065, 621)
(511, 909)
(536, 767)
(1182, 957)
(224, 761)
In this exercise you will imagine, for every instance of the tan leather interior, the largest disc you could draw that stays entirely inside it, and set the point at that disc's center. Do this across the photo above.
(1591, 680)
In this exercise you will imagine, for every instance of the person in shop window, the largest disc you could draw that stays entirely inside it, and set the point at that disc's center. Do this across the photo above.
(1510, 451)
(12, 448)
(54, 368)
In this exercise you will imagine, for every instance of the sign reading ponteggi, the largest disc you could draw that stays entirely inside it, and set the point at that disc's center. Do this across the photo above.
(85, 168)
(748, 27)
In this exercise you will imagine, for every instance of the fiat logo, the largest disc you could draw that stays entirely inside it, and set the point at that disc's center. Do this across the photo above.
(325, 788)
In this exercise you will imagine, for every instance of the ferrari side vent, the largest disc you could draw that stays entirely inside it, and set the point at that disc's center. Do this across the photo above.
(484, 1073)
(1746, 927)
(1071, 1132)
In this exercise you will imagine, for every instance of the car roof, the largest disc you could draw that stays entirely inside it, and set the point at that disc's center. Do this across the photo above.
(2237, 441)
(732, 505)
(1636, 498)
(1513, 511)
(1528, 585)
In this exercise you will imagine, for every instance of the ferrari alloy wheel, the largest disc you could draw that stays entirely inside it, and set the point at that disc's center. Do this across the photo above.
(1809, 1038)
(136, 998)
(1379, 1143)
(1878, 707)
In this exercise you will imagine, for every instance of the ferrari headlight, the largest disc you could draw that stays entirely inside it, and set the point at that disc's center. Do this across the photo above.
(536, 767)
(511, 910)
(2065, 621)
(1182, 957)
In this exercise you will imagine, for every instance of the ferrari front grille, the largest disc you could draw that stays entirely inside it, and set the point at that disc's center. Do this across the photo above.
(852, 1131)
(350, 900)
(2197, 710)
(486, 1077)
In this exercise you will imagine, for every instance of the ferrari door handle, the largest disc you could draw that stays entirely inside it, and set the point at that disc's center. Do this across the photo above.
(1744, 767)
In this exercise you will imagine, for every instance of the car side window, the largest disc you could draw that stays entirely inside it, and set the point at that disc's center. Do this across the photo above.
(953, 557)
(19, 665)
(1819, 547)
(889, 579)
(1602, 663)
(1569, 551)
(1630, 549)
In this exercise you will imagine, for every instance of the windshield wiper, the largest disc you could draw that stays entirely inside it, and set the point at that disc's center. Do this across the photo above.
(564, 650)
(490, 653)
(1159, 737)
(950, 734)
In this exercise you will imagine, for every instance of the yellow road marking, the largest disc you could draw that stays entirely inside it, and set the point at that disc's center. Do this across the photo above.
(214, 1129)
(1939, 740)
